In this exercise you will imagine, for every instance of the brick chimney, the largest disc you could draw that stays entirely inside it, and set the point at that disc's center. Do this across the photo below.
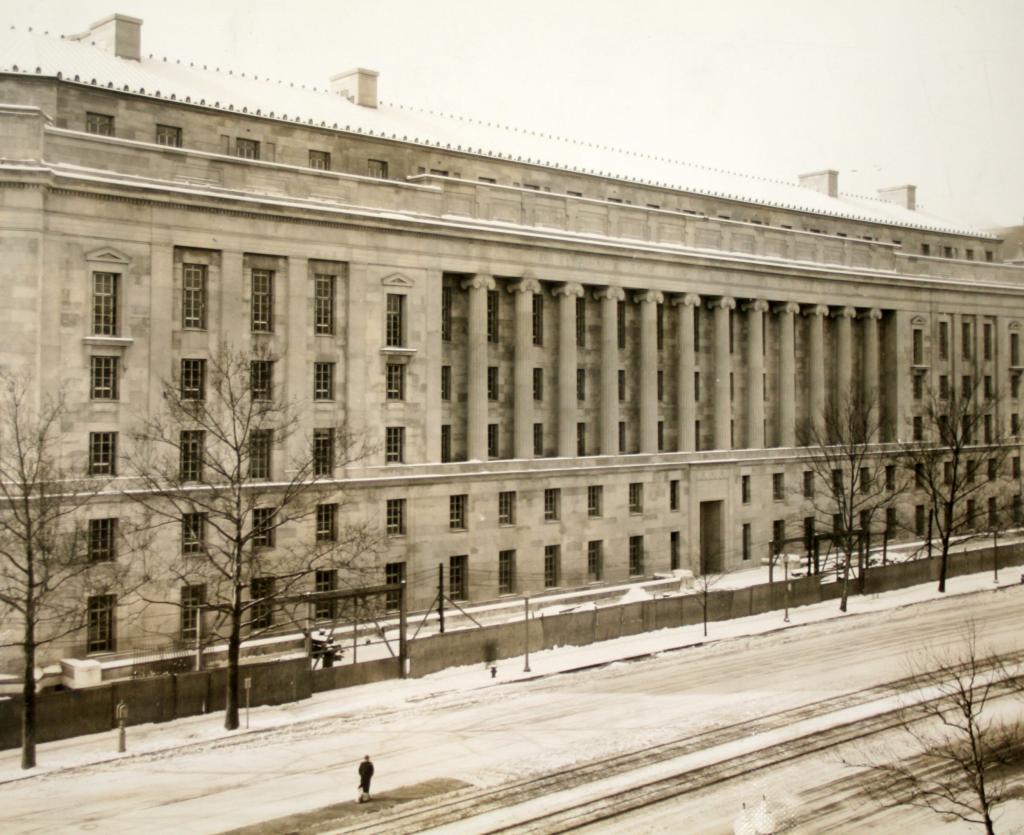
(117, 34)
(358, 85)
(905, 196)
(826, 182)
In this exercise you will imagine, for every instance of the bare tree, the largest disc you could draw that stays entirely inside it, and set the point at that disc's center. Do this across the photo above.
(853, 480)
(254, 508)
(51, 559)
(960, 754)
(961, 455)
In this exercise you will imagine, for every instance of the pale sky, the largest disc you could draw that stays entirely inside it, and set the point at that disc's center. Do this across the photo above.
(886, 91)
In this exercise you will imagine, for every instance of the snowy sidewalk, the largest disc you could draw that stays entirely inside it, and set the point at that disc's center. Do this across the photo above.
(388, 696)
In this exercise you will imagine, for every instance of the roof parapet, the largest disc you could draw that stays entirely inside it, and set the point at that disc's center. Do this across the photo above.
(826, 182)
(117, 34)
(905, 196)
(358, 85)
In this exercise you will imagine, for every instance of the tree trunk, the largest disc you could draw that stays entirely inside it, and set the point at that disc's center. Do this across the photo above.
(846, 580)
(234, 651)
(946, 533)
(28, 701)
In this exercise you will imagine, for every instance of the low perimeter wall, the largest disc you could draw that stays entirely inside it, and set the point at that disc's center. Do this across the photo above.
(68, 713)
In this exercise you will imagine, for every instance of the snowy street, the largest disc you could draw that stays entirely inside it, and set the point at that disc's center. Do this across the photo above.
(459, 725)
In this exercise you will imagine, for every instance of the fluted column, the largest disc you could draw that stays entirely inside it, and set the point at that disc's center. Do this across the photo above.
(787, 374)
(722, 308)
(844, 356)
(609, 297)
(522, 370)
(476, 371)
(816, 366)
(567, 295)
(755, 373)
(870, 371)
(686, 406)
(649, 301)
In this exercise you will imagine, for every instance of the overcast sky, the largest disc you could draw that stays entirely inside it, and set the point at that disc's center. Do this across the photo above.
(888, 92)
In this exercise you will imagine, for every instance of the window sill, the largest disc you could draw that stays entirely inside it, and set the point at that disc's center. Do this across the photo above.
(396, 354)
(108, 341)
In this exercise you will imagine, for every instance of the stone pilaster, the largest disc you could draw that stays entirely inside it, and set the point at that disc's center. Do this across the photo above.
(522, 370)
(648, 302)
(871, 390)
(476, 362)
(567, 295)
(722, 308)
(609, 297)
(686, 404)
(755, 373)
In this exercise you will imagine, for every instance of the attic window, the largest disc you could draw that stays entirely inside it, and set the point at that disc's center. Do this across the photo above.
(988, 254)
(168, 135)
(101, 124)
(926, 249)
(531, 186)
(575, 193)
(614, 199)
(320, 160)
(377, 168)
(490, 180)
(247, 148)
(438, 172)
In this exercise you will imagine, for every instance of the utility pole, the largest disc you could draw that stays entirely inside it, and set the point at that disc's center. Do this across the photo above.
(526, 631)
(440, 596)
(402, 648)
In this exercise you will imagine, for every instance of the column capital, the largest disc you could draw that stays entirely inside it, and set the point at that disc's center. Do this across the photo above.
(686, 300)
(873, 313)
(816, 310)
(525, 285)
(649, 297)
(570, 288)
(478, 282)
(846, 312)
(756, 306)
(786, 307)
(724, 302)
(616, 294)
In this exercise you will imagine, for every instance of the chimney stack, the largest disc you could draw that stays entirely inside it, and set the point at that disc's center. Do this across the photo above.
(117, 34)
(358, 85)
(905, 196)
(826, 182)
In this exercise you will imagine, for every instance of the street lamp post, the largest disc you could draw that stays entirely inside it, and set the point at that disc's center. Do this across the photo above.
(526, 632)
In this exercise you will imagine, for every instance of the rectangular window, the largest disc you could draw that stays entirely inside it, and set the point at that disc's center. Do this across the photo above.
(918, 428)
(965, 340)
(967, 387)
(745, 541)
(986, 339)
(944, 340)
(659, 321)
(918, 346)
(918, 385)
(446, 382)
(323, 380)
(778, 534)
(325, 580)
(261, 591)
(552, 504)
(191, 443)
(944, 387)
(581, 438)
(377, 168)
(673, 550)
(395, 381)
(394, 332)
(261, 379)
(779, 487)
(493, 312)
(100, 635)
(193, 296)
(394, 444)
(1015, 504)
(320, 160)
(193, 534)
(661, 385)
(103, 378)
(538, 319)
(100, 124)
(506, 571)
(992, 469)
(538, 439)
(168, 135)
(745, 489)
(446, 314)
(324, 293)
(493, 450)
(263, 527)
(993, 513)
(247, 148)
(1014, 386)
(458, 577)
(697, 316)
(446, 443)
(696, 386)
(1015, 466)
(926, 249)
(457, 512)
(867, 481)
(507, 507)
(552, 567)
(538, 384)
(581, 321)
(101, 544)
(919, 520)
(987, 387)
(105, 303)
(262, 301)
(192, 600)
(394, 517)
(636, 556)
(327, 522)
(971, 516)
(102, 453)
(673, 494)
(620, 323)
(492, 382)
(636, 497)
(581, 384)
(622, 385)
(595, 560)
(622, 436)
(808, 484)
(890, 477)
(595, 501)
(661, 436)
(1015, 349)
(260, 441)
(394, 575)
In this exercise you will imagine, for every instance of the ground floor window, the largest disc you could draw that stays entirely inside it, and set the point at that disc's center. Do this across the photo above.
(101, 634)
(552, 558)
(458, 577)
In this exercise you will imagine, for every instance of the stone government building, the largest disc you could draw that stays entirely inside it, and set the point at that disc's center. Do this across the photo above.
(577, 364)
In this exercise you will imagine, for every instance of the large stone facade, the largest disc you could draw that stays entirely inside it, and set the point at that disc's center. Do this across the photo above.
(562, 330)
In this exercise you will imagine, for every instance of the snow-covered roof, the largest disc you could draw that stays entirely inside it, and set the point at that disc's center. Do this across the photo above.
(34, 53)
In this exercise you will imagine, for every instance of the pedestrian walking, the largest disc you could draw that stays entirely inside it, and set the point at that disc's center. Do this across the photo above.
(365, 775)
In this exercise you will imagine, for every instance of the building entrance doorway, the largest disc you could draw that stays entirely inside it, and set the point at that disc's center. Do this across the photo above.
(712, 540)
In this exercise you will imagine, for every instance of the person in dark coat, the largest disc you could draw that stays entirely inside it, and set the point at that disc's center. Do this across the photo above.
(365, 775)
